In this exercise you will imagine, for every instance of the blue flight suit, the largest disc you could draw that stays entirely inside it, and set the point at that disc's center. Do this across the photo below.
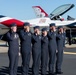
(52, 50)
(44, 54)
(25, 50)
(13, 50)
(64, 39)
(60, 45)
(36, 53)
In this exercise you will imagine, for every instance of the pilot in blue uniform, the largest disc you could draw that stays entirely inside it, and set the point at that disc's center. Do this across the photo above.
(36, 50)
(52, 48)
(13, 50)
(44, 51)
(25, 37)
(60, 45)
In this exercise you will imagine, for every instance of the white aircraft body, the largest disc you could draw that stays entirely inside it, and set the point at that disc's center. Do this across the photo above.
(43, 19)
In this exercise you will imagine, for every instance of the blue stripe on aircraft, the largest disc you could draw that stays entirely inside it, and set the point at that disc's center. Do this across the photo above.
(1, 16)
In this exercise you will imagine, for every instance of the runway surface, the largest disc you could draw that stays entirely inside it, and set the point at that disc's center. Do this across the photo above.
(68, 67)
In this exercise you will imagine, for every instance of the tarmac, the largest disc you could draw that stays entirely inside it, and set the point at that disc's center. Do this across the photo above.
(68, 66)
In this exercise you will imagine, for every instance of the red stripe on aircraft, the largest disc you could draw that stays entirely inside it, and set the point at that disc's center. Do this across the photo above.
(8, 22)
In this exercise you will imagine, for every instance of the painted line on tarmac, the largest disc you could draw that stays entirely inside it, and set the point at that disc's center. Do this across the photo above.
(71, 53)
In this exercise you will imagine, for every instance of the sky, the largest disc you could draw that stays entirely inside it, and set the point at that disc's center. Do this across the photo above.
(22, 9)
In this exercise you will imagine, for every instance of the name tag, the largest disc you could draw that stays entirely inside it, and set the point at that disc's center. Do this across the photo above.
(39, 37)
(29, 34)
(55, 34)
(47, 38)
(15, 36)
(62, 36)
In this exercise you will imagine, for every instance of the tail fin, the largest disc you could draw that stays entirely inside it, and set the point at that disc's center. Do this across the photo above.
(39, 11)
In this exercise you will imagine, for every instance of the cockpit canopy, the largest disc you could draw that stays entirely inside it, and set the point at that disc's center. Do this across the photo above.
(58, 12)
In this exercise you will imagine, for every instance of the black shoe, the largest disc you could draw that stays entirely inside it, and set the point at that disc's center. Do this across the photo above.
(52, 74)
(59, 72)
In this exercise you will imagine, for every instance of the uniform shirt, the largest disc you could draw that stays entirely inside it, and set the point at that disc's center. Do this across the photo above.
(64, 38)
(60, 40)
(13, 41)
(44, 42)
(52, 40)
(25, 38)
(36, 42)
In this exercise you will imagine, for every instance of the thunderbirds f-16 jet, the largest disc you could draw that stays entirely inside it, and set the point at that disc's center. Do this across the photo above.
(43, 19)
